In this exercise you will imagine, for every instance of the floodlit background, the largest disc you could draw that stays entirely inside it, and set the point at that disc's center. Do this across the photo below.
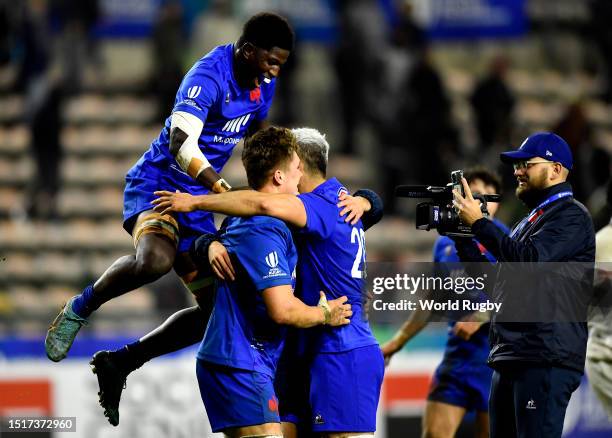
(406, 91)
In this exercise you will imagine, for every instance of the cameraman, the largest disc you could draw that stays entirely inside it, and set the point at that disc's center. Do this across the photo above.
(462, 381)
(538, 365)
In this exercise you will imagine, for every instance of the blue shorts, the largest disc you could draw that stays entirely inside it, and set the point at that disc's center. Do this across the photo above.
(291, 383)
(147, 177)
(462, 383)
(236, 398)
(345, 389)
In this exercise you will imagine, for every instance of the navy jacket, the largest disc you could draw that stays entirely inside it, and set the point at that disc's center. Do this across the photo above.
(554, 330)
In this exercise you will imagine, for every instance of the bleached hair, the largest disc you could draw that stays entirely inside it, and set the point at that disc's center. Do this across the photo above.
(314, 149)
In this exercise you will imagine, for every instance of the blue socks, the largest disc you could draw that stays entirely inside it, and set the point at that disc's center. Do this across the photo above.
(128, 358)
(82, 304)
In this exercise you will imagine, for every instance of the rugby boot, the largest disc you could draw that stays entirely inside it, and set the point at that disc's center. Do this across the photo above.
(112, 381)
(62, 332)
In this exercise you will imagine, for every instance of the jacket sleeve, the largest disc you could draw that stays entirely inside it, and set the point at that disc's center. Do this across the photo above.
(561, 235)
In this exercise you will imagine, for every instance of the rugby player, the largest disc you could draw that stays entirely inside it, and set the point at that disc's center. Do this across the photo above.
(345, 365)
(226, 93)
(237, 358)
(462, 381)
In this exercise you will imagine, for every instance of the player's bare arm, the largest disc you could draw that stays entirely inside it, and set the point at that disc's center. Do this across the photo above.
(284, 308)
(185, 130)
(286, 207)
(417, 322)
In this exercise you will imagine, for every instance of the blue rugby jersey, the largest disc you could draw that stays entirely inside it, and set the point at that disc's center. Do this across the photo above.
(210, 92)
(332, 257)
(476, 349)
(240, 334)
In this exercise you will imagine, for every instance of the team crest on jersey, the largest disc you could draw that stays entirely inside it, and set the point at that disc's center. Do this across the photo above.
(193, 92)
(342, 191)
(236, 124)
(255, 95)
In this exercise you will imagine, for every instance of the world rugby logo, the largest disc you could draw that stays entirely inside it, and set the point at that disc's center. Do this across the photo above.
(193, 92)
(272, 259)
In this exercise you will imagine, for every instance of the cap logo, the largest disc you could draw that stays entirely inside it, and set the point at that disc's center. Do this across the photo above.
(549, 153)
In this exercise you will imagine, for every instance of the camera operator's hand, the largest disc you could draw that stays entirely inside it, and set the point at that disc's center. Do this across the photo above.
(468, 207)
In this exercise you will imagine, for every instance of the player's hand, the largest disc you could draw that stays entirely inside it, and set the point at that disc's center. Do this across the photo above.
(220, 261)
(468, 207)
(168, 202)
(353, 207)
(340, 311)
(465, 329)
(389, 348)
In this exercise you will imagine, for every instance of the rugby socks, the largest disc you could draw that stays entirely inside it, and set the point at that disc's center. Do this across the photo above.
(183, 329)
(84, 304)
(129, 357)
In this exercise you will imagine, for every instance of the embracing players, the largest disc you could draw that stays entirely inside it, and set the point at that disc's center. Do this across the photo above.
(345, 365)
(244, 339)
(226, 93)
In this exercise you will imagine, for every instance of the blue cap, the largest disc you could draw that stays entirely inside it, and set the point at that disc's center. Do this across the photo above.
(545, 145)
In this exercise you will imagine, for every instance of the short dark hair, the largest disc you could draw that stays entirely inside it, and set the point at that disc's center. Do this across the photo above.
(486, 176)
(266, 30)
(266, 151)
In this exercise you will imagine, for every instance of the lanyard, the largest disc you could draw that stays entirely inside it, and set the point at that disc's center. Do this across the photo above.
(537, 212)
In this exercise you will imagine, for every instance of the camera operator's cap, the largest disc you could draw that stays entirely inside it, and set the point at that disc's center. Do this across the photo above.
(545, 145)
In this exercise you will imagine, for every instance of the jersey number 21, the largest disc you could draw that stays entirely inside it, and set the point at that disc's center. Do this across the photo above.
(358, 237)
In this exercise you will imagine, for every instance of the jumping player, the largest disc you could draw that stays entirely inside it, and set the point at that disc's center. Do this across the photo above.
(345, 365)
(226, 93)
(462, 381)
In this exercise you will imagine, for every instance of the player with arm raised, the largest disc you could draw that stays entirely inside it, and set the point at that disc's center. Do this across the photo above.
(226, 93)
(345, 365)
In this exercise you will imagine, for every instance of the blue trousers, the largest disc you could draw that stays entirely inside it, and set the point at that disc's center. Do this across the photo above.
(529, 401)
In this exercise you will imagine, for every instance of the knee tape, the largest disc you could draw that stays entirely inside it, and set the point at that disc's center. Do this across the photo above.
(157, 223)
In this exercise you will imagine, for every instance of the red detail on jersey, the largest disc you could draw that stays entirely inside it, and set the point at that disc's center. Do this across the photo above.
(255, 95)
(273, 404)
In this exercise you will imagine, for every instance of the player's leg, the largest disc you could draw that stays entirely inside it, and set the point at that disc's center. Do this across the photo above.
(453, 391)
(290, 430)
(345, 390)
(478, 377)
(482, 425)
(441, 420)
(183, 329)
(155, 239)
